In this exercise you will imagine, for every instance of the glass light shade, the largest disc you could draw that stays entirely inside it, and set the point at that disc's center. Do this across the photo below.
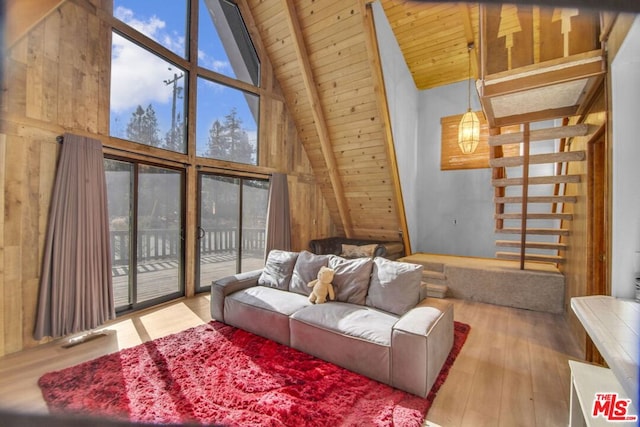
(469, 132)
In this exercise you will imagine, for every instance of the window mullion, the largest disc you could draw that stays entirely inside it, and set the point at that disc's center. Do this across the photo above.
(193, 80)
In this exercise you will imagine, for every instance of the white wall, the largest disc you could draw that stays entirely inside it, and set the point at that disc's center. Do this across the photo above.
(625, 76)
(448, 212)
(402, 97)
(455, 207)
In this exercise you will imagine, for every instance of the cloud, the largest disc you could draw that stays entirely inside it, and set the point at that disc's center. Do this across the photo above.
(217, 65)
(137, 75)
(149, 28)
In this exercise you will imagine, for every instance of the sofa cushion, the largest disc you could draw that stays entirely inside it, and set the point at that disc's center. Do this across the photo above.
(351, 280)
(355, 251)
(278, 269)
(265, 298)
(263, 311)
(395, 286)
(306, 270)
(357, 321)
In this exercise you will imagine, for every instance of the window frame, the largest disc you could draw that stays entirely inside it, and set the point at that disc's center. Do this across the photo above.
(193, 72)
(133, 234)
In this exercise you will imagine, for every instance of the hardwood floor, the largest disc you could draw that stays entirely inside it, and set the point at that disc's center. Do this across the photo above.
(512, 371)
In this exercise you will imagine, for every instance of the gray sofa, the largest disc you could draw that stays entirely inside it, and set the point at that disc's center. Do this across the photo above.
(377, 326)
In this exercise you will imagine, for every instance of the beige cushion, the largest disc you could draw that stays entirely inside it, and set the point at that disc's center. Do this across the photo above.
(306, 270)
(395, 286)
(278, 269)
(351, 280)
(354, 251)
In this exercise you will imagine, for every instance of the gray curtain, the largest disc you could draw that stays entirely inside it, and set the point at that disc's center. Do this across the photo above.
(278, 220)
(75, 285)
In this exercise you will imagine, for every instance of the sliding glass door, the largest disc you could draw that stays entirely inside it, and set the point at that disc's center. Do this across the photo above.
(146, 222)
(231, 228)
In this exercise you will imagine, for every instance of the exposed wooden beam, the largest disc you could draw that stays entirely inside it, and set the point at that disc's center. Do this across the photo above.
(385, 118)
(320, 123)
(26, 14)
(553, 72)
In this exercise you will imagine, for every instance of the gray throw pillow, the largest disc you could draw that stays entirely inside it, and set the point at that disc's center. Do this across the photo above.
(278, 269)
(351, 280)
(306, 270)
(395, 286)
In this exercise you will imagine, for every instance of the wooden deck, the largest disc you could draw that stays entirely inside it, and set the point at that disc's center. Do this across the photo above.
(159, 278)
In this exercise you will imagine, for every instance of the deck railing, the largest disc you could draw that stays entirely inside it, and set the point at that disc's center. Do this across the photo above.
(157, 244)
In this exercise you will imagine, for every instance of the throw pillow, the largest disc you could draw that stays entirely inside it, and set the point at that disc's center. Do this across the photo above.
(351, 279)
(278, 269)
(306, 270)
(354, 251)
(395, 286)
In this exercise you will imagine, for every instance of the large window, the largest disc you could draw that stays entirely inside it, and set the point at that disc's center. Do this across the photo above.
(226, 123)
(145, 204)
(147, 101)
(232, 226)
(149, 91)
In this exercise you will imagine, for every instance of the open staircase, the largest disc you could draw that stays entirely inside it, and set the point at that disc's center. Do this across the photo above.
(529, 191)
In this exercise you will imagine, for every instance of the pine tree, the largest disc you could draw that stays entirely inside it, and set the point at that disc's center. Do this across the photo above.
(143, 126)
(240, 149)
(174, 139)
(229, 141)
(217, 144)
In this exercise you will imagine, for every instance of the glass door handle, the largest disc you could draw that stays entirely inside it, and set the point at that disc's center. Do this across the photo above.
(201, 232)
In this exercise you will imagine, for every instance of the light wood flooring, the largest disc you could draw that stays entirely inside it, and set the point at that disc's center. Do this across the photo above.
(512, 371)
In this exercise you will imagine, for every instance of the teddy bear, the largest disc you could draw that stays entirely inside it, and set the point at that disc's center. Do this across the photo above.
(322, 286)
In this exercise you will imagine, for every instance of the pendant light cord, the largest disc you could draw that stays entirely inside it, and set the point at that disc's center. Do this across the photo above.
(469, 47)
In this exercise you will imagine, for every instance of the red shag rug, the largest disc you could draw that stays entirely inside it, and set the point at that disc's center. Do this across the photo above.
(218, 374)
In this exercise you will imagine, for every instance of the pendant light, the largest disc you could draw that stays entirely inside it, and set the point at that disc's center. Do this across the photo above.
(469, 127)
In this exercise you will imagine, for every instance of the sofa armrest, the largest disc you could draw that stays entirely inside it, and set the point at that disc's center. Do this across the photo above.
(420, 343)
(228, 285)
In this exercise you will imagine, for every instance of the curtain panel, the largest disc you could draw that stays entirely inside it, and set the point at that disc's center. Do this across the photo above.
(76, 293)
(278, 217)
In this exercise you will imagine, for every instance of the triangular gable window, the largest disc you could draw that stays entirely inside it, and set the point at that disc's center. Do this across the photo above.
(224, 44)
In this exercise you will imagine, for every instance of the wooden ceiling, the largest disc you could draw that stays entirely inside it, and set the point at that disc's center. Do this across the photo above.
(324, 55)
(434, 39)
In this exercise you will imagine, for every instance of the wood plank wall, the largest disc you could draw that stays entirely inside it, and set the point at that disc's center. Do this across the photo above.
(577, 268)
(57, 79)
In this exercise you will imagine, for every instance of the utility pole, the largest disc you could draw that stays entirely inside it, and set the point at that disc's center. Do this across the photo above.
(176, 93)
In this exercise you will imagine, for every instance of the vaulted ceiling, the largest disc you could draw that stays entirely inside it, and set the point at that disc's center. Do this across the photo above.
(325, 56)
(434, 39)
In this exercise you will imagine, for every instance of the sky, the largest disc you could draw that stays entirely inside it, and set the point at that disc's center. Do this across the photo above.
(142, 78)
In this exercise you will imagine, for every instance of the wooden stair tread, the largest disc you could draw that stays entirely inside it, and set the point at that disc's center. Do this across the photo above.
(563, 216)
(540, 135)
(535, 180)
(535, 159)
(539, 231)
(433, 275)
(536, 199)
(530, 257)
(531, 245)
